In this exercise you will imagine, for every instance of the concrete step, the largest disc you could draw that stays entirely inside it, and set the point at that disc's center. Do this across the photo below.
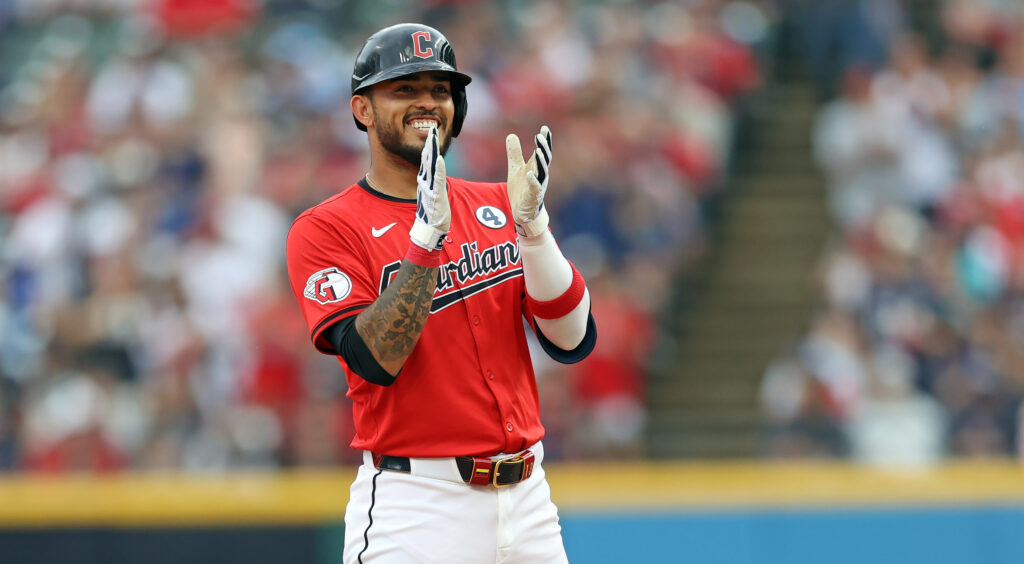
(771, 232)
(767, 208)
(723, 346)
(766, 188)
(695, 365)
(738, 368)
(785, 252)
(727, 314)
(703, 370)
(768, 269)
(790, 69)
(707, 391)
(761, 202)
(671, 400)
(772, 281)
(791, 183)
(740, 304)
(753, 296)
(740, 329)
(794, 139)
(718, 343)
(704, 357)
(702, 443)
(714, 349)
(771, 238)
(710, 416)
(784, 94)
(795, 119)
(776, 161)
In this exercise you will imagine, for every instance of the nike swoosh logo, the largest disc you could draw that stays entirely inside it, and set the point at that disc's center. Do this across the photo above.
(378, 232)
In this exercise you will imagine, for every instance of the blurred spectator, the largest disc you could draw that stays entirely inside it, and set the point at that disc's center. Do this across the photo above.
(798, 423)
(609, 387)
(924, 157)
(153, 155)
(858, 151)
(839, 35)
(896, 425)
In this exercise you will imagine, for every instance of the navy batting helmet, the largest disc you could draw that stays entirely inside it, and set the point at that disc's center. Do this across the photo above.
(405, 49)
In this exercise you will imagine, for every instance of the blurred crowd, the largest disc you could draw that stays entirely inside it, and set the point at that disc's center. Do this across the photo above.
(917, 353)
(153, 154)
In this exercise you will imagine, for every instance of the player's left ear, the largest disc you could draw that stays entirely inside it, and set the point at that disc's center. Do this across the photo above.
(362, 109)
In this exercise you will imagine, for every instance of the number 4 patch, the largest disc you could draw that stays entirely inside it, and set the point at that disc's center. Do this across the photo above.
(491, 216)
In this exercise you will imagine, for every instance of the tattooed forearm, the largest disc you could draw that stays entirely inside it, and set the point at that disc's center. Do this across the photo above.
(391, 326)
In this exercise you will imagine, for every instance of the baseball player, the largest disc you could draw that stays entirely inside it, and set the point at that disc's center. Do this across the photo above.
(420, 283)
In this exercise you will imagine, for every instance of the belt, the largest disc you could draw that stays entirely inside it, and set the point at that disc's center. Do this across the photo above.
(474, 470)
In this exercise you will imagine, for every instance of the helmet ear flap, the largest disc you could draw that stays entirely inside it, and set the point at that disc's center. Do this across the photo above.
(461, 106)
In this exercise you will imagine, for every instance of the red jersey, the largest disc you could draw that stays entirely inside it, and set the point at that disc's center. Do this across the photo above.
(468, 387)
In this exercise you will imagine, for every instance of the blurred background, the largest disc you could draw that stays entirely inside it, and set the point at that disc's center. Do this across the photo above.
(801, 222)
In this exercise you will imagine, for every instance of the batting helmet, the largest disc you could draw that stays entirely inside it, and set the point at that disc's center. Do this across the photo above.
(405, 49)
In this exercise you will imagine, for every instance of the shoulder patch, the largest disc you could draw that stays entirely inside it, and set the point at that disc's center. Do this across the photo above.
(327, 286)
(490, 216)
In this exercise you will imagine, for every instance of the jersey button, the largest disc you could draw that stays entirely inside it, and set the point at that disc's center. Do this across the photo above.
(476, 320)
(490, 375)
(509, 427)
(447, 238)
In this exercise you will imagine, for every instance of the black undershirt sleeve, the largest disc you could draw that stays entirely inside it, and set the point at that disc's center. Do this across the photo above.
(349, 345)
(577, 354)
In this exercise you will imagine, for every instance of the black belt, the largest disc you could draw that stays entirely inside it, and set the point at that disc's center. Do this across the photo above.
(475, 470)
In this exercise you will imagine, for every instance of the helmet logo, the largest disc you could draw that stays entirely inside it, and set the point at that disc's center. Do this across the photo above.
(418, 49)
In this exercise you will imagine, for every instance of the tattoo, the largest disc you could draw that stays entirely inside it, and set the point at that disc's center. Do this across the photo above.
(391, 326)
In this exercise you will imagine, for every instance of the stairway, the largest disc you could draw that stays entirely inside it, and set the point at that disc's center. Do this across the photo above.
(754, 292)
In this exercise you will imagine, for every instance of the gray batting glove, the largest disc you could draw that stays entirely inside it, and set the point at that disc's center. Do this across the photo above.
(433, 214)
(527, 183)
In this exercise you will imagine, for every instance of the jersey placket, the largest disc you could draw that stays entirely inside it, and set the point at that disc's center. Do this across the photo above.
(478, 318)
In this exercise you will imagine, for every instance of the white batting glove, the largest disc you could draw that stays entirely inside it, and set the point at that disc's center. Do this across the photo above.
(433, 214)
(527, 183)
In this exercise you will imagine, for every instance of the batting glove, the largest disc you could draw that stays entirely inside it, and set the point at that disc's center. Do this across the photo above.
(433, 214)
(527, 183)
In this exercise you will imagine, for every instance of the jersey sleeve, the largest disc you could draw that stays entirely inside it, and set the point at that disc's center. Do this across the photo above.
(329, 274)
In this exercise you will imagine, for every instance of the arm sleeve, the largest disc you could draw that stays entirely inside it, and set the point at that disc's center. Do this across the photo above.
(548, 276)
(349, 345)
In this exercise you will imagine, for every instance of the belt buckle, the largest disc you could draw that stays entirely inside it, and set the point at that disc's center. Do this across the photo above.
(497, 466)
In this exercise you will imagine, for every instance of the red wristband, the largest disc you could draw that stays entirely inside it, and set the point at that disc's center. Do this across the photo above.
(562, 305)
(422, 257)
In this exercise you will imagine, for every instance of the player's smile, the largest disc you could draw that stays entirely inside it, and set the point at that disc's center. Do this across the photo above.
(423, 124)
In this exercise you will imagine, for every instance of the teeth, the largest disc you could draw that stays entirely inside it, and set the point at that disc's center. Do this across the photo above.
(424, 124)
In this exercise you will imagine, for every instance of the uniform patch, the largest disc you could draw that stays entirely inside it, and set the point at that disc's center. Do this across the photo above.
(327, 286)
(490, 216)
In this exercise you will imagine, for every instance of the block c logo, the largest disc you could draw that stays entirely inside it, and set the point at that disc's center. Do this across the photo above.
(418, 49)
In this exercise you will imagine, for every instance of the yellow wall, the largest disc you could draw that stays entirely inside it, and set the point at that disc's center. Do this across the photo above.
(312, 496)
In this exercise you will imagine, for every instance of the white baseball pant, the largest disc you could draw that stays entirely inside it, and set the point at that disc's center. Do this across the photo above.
(431, 516)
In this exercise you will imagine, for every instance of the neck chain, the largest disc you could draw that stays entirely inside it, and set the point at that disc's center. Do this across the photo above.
(372, 183)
